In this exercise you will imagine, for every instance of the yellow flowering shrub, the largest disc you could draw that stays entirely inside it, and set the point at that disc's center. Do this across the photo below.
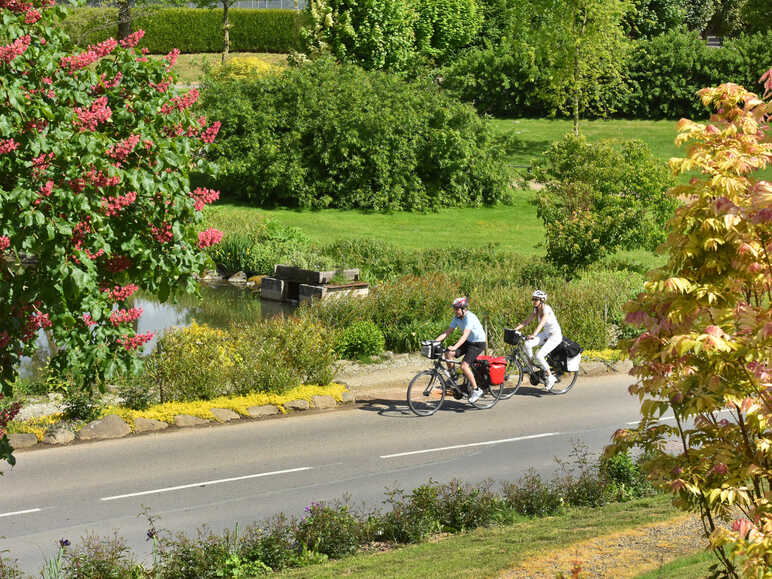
(36, 426)
(246, 67)
(607, 355)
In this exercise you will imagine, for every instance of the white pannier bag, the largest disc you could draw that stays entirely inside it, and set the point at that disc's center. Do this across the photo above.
(572, 364)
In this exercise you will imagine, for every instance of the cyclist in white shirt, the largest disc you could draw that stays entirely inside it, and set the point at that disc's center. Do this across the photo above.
(547, 334)
(471, 343)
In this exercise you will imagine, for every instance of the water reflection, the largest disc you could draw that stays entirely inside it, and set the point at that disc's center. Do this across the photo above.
(218, 307)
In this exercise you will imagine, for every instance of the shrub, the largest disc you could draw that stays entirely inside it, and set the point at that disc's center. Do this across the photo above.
(273, 542)
(331, 529)
(81, 405)
(193, 30)
(599, 198)
(446, 26)
(413, 517)
(580, 481)
(9, 568)
(463, 506)
(360, 339)
(328, 135)
(99, 557)
(374, 34)
(531, 496)
(243, 67)
(625, 480)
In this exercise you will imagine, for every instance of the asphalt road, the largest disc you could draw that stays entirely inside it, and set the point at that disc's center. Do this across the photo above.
(246, 472)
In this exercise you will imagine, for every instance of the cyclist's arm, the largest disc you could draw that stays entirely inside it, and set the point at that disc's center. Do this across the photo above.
(526, 321)
(461, 340)
(444, 335)
(539, 326)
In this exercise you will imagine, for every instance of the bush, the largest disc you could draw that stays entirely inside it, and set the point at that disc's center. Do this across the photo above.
(599, 198)
(463, 506)
(360, 339)
(99, 557)
(580, 481)
(625, 480)
(327, 135)
(530, 496)
(413, 517)
(331, 529)
(243, 67)
(193, 30)
(81, 405)
(446, 26)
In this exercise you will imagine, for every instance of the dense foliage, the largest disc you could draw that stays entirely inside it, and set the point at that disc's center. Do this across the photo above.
(95, 199)
(446, 26)
(330, 135)
(599, 198)
(704, 352)
(193, 29)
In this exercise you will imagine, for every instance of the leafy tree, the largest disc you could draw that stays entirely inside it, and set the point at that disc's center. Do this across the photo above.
(699, 13)
(581, 44)
(374, 34)
(599, 198)
(95, 200)
(446, 26)
(647, 18)
(704, 355)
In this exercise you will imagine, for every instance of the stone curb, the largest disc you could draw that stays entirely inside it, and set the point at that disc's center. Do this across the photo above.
(113, 426)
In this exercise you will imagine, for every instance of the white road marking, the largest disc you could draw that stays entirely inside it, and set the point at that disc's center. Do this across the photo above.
(19, 512)
(205, 483)
(484, 443)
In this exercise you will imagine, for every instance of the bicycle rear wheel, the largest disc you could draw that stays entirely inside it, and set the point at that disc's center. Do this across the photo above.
(426, 393)
(491, 394)
(513, 377)
(566, 379)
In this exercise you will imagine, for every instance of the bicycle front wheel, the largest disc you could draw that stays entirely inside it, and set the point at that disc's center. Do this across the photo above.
(513, 377)
(426, 393)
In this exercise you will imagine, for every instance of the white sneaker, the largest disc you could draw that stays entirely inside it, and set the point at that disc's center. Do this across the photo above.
(475, 395)
(551, 381)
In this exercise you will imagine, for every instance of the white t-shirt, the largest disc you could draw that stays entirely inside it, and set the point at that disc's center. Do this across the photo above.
(551, 326)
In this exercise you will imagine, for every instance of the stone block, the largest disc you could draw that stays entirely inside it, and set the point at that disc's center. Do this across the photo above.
(307, 276)
(272, 288)
(224, 414)
(323, 401)
(22, 440)
(59, 435)
(298, 404)
(348, 397)
(185, 420)
(111, 426)
(149, 425)
(261, 411)
(238, 278)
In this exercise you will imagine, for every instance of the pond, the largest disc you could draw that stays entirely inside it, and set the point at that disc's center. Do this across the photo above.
(218, 306)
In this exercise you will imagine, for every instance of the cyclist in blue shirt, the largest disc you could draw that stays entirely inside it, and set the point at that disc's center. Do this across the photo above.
(471, 343)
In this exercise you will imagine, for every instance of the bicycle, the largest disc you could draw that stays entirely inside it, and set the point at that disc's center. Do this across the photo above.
(519, 364)
(427, 390)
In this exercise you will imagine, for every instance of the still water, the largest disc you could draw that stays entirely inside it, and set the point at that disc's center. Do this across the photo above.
(217, 307)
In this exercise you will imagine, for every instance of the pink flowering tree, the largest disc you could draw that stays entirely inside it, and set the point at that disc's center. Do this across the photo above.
(704, 356)
(96, 150)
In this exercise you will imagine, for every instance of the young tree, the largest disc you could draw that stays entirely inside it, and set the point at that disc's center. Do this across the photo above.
(582, 45)
(705, 352)
(226, 23)
(95, 200)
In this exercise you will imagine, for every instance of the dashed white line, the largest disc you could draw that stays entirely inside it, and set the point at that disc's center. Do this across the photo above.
(205, 483)
(470, 445)
(20, 512)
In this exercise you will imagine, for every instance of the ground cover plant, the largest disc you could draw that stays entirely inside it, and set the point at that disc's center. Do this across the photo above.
(95, 197)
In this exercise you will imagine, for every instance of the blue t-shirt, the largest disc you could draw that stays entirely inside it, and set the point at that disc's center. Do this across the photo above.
(470, 321)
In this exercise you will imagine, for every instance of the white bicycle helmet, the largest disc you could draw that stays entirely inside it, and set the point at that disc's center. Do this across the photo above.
(540, 295)
(461, 302)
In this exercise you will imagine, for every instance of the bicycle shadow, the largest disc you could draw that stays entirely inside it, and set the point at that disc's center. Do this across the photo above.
(400, 409)
(533, 391)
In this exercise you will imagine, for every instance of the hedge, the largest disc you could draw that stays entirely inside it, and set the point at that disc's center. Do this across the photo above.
(193, 30)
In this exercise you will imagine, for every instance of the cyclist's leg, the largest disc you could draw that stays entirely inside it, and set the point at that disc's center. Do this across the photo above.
(529, 345)
(549, 344)
(470, 355)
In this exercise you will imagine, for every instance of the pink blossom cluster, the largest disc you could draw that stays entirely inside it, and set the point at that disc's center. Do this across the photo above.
(41, 163)
(16, 48)
(120, 294)
(180, 103)
(100, 252)
(91, 55)
(134, 342)
(8, 145)
(171, 58)
(104, 84)
(118, 263)
(163, 234)
(123, 316)
(123, 149)
(202, 197)
(45, 191)
(209, 237)
(99, 179)
(5, 242)
(161, 87)
(88, 119)
(32, 15)
(35, 321)
(35, 126)
(87, 319)
(114, 205)
(132, 39)
(209, 135)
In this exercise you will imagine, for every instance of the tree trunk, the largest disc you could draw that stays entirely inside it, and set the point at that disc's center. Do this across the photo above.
(226, 26)
(124, 19)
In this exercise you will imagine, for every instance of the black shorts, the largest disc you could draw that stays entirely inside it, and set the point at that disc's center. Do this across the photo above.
(471, 350)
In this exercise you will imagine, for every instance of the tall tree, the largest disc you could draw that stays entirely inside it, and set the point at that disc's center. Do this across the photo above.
(582, 45)
(704, 356)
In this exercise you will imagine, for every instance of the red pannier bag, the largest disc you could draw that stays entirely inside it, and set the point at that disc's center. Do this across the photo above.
(497, 366)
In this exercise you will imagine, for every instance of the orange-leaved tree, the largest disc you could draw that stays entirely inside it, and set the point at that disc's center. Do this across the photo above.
(704, 354)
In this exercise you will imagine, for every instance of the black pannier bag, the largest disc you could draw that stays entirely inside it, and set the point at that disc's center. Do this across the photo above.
(565, 350)
(481, 370)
